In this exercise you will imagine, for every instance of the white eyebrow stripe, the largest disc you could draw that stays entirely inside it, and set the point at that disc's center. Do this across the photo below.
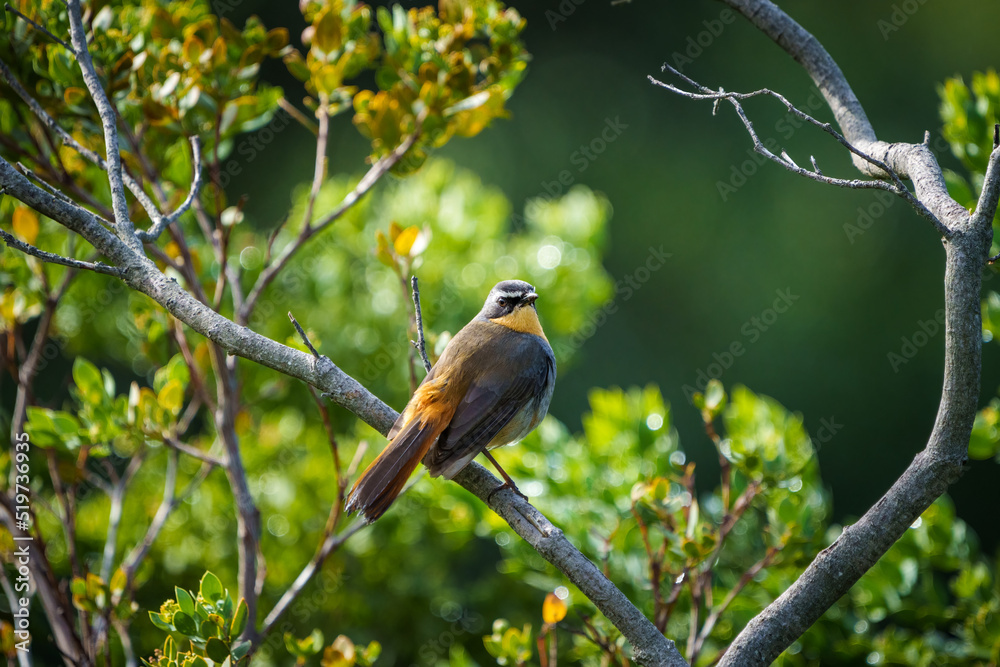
(510, 295)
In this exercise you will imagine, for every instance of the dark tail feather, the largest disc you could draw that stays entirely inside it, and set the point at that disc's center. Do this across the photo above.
(384, 479)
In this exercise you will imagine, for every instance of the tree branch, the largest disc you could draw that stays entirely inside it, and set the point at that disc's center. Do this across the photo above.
(37, 26)
(139, 273)
(861, 545)
(367, 182)
(161, 222)
(134, 187)
(896, 187)
(913, 161)
(53, 258)
(986, 207)
(420, 345)
(109, 119)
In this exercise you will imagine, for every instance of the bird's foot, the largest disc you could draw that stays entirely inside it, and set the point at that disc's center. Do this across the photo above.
(506, 485)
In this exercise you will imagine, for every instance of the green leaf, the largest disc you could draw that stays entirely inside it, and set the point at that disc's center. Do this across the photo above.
(239, 619)
(176, 369)
(211, 587)
(171, 397)
(158, 621)
(185, 624)
(216, 649)
(88, 380)
(241, 649)
(185, 600)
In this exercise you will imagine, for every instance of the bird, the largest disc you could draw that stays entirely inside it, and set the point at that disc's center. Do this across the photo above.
(491, 386)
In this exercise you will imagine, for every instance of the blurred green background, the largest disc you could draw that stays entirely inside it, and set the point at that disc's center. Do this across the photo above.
(827, 356)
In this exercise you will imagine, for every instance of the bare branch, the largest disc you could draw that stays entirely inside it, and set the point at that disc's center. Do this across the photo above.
(38, 179)
(52, 258)
(37, 26)
(319, 168)
(109, 120)
(302, 334)
(420, 345)
(986, 208)
(193, 452)
(967, 241)
(377, 171)
(168, 503)
(293, 111)
(115, 514)
(329, 545)
(913, 161)
(147, 204)
(161, 222)
(896, 187)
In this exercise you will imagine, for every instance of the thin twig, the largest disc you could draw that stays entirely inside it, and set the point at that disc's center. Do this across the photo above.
(160, 222)
(377, 171)
(52, 258)
(319, 168)
(293, 111)
(37, 26)
(302, 333)
(896, 186)
(986, 207)
(115, 513)
(420, 344)
(109, 119)
(193, 452)
(326, 548)
(746, 578)
(67, 139)
(38, 179)
(169, 501)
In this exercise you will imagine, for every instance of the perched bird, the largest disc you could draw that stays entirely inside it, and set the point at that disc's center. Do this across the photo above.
(491, 387)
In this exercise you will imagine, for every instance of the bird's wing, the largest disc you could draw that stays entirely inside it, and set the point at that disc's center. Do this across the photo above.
(493, 398)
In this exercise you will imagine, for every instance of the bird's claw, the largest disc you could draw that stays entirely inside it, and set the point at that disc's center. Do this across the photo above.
(503, 486)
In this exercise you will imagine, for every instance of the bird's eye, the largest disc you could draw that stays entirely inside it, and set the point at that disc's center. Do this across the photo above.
(502, 302)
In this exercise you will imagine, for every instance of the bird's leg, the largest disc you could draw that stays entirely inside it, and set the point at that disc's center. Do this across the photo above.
(508, 482)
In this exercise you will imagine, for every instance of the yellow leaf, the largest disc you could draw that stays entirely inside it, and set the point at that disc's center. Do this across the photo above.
(26, 224)
(382, 250)
(340, 653)
(404, 242)
(553, 609)
(74, 95)
(171, 397)
(394, 231)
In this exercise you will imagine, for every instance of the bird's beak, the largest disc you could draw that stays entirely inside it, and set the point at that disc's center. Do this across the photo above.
(529, 298)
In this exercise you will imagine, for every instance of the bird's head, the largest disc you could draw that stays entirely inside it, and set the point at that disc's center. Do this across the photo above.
(508, 297)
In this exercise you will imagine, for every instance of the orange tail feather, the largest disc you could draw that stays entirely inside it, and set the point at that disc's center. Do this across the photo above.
(384, 479)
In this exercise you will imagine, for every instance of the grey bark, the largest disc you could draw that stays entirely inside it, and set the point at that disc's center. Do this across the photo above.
(941, 462)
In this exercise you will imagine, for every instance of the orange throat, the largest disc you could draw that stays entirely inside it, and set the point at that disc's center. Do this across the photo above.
(524, 320)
